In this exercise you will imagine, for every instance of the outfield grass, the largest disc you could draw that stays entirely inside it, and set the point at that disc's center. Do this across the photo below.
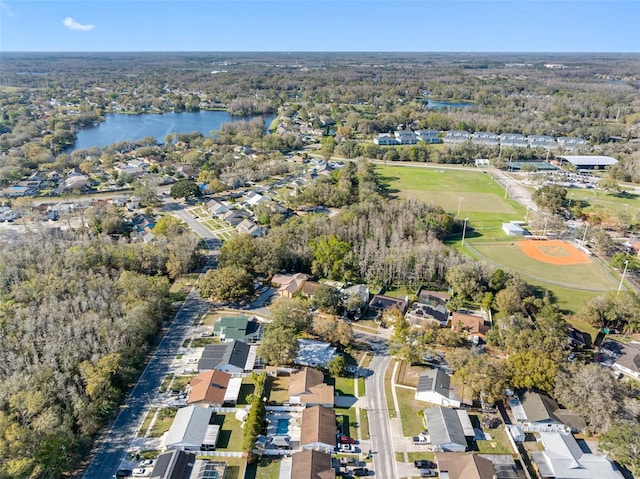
(583, 276)
(477, 195)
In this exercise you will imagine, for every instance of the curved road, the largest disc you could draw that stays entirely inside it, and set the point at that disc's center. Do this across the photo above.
(113, 449)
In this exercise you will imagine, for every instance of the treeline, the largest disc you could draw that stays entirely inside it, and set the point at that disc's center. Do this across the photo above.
(77, 316)
(370, 239)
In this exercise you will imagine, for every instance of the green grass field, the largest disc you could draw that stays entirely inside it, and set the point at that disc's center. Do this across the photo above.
(479, 197)
(584, 276)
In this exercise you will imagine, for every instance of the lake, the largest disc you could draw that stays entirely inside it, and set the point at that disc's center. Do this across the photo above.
(119, 127)
(441, 104)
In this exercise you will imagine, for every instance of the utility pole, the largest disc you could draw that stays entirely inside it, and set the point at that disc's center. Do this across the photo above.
(624, 271)
(464, 229)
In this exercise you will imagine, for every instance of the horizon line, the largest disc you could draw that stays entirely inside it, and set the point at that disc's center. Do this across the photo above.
(288, 52)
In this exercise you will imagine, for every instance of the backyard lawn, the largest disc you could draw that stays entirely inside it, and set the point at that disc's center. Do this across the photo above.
(231, 433)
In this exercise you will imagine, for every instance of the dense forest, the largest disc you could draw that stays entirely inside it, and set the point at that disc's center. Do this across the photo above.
(77, 317)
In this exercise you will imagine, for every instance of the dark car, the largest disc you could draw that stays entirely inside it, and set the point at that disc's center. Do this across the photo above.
(360, 471)
(424, 464)
(123, 473)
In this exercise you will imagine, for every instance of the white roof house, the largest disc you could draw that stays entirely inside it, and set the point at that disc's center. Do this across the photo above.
(563, 458)
(445, 431)
(189, 429)
(314, 353)
(434, 386)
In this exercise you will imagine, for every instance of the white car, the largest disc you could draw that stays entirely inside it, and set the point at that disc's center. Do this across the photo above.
(140, 472)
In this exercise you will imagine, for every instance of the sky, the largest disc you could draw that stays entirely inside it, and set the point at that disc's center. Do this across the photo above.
(321, 25)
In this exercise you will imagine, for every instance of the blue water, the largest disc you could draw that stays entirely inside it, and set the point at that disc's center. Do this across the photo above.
(440, 104)
(283, 427)
(119, 127)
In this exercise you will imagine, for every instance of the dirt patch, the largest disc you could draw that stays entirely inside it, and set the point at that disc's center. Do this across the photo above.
(554, 252)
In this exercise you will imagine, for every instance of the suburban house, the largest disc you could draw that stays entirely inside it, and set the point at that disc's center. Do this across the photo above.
(562, 458)
(428, 312)
(230, 328)
(310, 464)
(446, 432)
(380, 303)
(318, 429)
(233, 357)
(214, 388)
(289, 285)
(627, 356)
(191, 430)
(216, 208)
(471, 324)
(454, 465)
(247, 226)
(457, 136)
(252, 198)
(360, 290)
(174, 464)
(235, 217)
(434, 386)
(515, 140)
(536, 412)
(314, 353)
(307, 387)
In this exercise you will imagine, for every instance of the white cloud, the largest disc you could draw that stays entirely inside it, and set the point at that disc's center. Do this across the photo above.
(6, 9)
(71, 24)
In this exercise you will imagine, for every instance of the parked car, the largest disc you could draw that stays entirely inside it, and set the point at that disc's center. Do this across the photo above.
(346, 448)
(424, 464)
(140, 472)
(344, 439)
(421, 439)
(427, 473)
(123, 473)
(360, 472)
(147, 462)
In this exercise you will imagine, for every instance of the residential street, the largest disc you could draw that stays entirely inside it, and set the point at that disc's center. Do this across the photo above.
(113, 448)
(381, 439)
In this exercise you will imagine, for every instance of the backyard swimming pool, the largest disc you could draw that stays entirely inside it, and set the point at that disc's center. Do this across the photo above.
(283, 427)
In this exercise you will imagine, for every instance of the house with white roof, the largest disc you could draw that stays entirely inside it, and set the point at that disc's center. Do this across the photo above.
(457, 136)
(514, 140)
(446, 433)
(191, 430)
(562, 458)
(434, 386)
(542, 141)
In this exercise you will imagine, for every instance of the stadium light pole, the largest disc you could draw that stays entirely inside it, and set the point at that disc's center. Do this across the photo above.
(624, 271)
(584, 236)
(464, 229)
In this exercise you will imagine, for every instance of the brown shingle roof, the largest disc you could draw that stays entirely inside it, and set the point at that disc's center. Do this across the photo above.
(318, 426)
(309, 385)
(468, 323)
(310, 464)
(465, 466)
(209, 387)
